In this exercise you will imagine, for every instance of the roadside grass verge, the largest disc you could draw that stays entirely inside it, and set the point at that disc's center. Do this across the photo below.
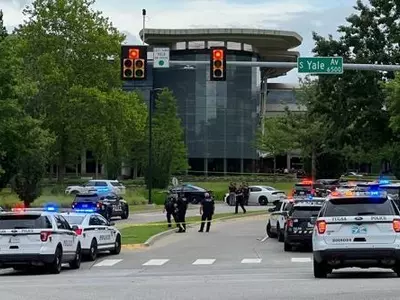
(132, 234)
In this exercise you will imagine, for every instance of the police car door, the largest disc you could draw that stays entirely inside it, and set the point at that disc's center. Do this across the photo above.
(108, 236)
(275, 215)
(67, 235)
(116, 204)
(99, 230)
(286, 206)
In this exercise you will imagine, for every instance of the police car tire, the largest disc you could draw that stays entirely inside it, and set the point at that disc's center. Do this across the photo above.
(117, 248)
(76, 263)
(281, 237)
(55, 266)
(262, 200)
(269, 232)
(93, 250)
(287, 247)
(125, 213)
(396, 269)
(320, 269)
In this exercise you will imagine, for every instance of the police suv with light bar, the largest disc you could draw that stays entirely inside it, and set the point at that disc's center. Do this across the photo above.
(30, 237)
(356, 229)
(95, 233)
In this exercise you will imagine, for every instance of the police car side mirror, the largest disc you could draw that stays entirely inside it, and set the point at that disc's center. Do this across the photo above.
(74, 228)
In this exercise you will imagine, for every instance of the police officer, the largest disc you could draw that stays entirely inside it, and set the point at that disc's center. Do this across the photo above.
(246, 193)
(207, 209)
(239, 200)
(170, 209)
(232, 194)
(182, 207)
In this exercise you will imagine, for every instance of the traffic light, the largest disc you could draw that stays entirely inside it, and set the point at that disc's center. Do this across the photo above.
(218, 64)
(133, 62)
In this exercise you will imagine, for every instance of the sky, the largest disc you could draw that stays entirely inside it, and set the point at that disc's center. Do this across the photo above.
(301, 16)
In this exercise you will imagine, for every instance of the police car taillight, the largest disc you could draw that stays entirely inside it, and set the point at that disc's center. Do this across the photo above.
(396, 225)
(289, 223)
(99, 204)
(79, 231)
(321, 226)
(44, 235)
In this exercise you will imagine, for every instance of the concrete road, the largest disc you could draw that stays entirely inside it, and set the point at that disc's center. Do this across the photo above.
(193, 210)
(228, 263)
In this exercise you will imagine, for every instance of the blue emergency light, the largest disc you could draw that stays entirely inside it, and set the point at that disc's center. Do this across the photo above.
(84, 210)
(384, 181)
(51, 207)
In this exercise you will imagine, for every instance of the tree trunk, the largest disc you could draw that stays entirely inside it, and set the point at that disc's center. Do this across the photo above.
(96, 174)
(274, 168)
(61, 169)
(313, 164)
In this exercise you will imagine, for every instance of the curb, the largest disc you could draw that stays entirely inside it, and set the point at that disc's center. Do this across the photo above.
(150, 241)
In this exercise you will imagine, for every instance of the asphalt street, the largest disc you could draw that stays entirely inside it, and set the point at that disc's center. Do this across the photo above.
(193, 210)
(230, 262)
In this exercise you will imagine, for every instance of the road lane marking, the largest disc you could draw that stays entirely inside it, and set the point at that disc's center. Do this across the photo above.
(301, 259)
(108, 263)
(156, 262)
(203, 262)
(251, 261)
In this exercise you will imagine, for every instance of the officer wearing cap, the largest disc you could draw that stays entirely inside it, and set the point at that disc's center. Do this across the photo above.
(207, 209)
(181, 214)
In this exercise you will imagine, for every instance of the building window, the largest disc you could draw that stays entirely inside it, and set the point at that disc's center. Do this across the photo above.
(197, 45)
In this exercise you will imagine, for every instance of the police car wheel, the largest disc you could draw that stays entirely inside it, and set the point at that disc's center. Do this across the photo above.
(263, 200)
(287, 247)
(117, 248)
(93, 250)
(397, 269)
(125, 213)
(320, 269)
(55, 266)
(76, 263)
(281, 237)
(269, 232)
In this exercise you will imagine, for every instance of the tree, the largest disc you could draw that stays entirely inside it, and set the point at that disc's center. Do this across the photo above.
(3, 30)
(65, 44)
(273, 139)
(169, 150)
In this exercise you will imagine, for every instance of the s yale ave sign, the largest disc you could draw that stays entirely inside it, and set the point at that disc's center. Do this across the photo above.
(320, 65)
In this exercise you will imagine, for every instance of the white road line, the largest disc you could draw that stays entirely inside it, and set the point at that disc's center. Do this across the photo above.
(203, 262)
(156, 262)
(301, 259)
(108, 263)
(251, 261)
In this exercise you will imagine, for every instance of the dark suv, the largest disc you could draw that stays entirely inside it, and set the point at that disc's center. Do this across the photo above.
(108, 205)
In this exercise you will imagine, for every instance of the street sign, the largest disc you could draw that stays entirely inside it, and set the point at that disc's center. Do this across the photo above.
(175, 181)
(161, 57)
(320, 65)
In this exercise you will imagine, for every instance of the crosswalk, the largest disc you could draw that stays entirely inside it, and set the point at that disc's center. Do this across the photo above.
(200, 261)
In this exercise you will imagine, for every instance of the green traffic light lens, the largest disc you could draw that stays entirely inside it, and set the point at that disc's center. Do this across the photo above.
(139, 73)
(217, 73)
(128, 73)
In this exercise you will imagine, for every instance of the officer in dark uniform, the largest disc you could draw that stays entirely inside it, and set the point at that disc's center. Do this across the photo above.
(170, 208)
(246, 193)
(182, 207)
(232, 194)
(239, 200)
(207, 209)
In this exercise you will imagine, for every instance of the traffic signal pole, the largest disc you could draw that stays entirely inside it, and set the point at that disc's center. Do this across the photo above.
(283, 65)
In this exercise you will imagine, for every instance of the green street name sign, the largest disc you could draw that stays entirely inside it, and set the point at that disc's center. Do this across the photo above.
(320, 65)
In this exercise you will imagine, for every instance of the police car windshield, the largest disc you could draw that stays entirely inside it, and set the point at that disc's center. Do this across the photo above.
(359, 206)
(305, 212)
(74, 220)
(24, 222)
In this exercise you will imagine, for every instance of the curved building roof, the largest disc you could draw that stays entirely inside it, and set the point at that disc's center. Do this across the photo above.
(271, 45)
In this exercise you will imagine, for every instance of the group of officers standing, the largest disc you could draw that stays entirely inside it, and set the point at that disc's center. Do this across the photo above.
(176, 206)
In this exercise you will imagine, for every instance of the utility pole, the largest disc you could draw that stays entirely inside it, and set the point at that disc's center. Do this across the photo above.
(144, 25)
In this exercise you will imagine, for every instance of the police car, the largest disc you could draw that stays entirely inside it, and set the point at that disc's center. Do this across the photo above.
(107, 204)
(300, 223)
(95, 233)
(356, 229)
(38, 238)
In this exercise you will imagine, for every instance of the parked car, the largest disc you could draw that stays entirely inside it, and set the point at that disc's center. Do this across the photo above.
(194, 194)
(97, 186)
(261, 195)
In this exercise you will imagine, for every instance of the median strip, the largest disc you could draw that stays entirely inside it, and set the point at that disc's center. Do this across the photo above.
(138, 236)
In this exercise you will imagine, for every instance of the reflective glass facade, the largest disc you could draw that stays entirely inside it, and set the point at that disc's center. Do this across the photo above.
(219, 118)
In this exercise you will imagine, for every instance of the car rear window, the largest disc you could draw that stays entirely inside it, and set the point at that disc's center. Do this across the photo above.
(359, 207)
(305, 212)
(74, 220)
(115, 183)
(83, 198)
(24, 222)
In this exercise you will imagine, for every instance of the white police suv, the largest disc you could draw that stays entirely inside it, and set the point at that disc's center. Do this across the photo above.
(95, 233)
(37, 238)
(356, 229)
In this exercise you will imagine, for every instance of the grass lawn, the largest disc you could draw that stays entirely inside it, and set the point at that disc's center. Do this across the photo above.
(140, 234)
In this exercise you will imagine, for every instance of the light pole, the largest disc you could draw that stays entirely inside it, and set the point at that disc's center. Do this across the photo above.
(144, 25)
(152, 100)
